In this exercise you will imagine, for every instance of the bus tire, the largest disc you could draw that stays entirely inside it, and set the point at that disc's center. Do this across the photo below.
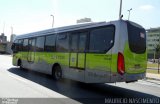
(57, 72)
(20, 64)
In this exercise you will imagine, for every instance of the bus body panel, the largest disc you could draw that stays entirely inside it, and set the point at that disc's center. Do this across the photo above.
(98, 68)
(135, 63)
(74, 74)
(118, 47)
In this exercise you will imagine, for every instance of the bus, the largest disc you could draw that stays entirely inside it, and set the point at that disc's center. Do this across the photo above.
(100, 52)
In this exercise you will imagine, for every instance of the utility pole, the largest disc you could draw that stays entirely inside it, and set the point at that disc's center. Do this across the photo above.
(4, 26)
(11, 30)
(158, 64)
(120, 9)
(129, 13)
(52, 20)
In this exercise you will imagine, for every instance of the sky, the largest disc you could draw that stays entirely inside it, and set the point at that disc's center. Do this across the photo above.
(26, 16)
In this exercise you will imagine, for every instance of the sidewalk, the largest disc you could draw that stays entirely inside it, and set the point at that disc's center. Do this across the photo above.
(153, 76)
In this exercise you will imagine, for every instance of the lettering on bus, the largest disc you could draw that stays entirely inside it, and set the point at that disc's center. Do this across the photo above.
(94, 74)
(106, 57)
(58, 57)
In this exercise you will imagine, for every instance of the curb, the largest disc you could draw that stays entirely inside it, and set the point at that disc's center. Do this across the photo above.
(152, 68)
(153, 78)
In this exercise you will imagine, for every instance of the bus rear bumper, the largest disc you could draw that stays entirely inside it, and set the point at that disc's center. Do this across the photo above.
(134, 77)
(128, 77)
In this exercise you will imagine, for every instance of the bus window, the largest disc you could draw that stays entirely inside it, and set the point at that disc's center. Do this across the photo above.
(32, 42)
(136, 38)
(62, 43)
(50, 43)
(74, 43)
(20, 45)
(40, 44)
(25, 45)
(82, 42)
(101, 39)
(16, 45)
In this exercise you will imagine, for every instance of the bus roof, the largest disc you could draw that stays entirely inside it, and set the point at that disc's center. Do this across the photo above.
(64, 29)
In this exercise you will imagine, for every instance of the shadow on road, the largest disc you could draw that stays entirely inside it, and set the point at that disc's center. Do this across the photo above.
(83, 93)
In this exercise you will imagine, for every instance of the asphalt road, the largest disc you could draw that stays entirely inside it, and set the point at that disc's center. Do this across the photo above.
(32, 87)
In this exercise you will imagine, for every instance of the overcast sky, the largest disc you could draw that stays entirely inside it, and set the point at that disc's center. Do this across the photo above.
(33, 15)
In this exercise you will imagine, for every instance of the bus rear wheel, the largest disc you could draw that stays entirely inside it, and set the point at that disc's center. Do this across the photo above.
(57, 73)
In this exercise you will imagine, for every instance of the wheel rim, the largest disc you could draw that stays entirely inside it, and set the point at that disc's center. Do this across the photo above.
(21, 66)
(58, 73)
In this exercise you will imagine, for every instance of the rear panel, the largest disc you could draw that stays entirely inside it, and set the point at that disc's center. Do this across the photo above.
(130, 43)
(135, 49)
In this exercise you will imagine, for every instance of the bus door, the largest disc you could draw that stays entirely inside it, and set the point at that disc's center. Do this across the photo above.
(77, 50)
(31, 52)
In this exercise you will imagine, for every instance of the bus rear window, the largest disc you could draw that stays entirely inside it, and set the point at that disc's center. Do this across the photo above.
(136, 38)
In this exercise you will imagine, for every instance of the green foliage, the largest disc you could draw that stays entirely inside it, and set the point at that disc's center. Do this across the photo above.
(157, 48)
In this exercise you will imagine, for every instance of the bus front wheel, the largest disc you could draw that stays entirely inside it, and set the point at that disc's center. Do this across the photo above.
(20, 64)
(57, 73)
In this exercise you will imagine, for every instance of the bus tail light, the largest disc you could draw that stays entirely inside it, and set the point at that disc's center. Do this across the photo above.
(120, 64)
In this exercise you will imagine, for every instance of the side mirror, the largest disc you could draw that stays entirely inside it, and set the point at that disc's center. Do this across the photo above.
(13, 46)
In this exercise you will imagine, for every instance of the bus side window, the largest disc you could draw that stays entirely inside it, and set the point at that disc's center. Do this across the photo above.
(82, 41)
(25, 45)
(15, 46)
(40, 44)
(101, 39)
(20, 45)
(74, 42)
(50, 43)
(62, 43)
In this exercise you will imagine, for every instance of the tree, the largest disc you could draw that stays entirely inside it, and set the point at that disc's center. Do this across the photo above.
(156, 50)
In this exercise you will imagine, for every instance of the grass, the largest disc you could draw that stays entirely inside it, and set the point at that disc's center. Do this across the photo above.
(152, 71)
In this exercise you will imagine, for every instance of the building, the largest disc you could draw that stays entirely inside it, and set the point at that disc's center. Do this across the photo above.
(3, 38)
(5, 47)
(3, 43)
(13, 36)
(83, 20)
(153, 40)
